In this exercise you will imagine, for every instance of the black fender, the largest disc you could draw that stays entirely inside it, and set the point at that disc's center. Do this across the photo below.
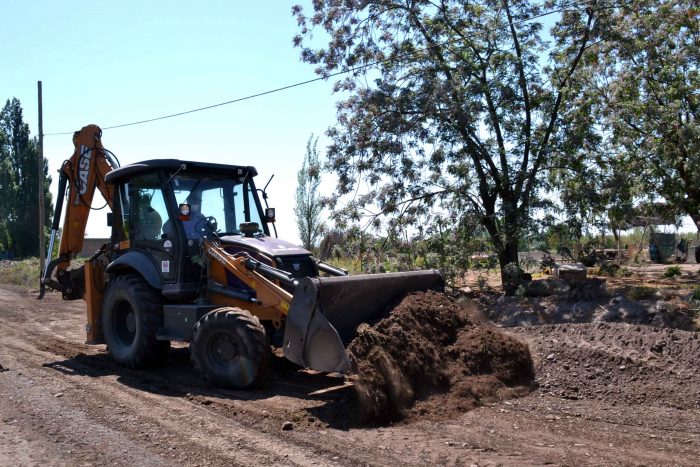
(140, 263)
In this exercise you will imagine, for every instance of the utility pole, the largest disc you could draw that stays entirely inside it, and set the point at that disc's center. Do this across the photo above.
(40, 181)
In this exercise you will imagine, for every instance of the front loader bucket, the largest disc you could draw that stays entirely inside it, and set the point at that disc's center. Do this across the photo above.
(326, 311)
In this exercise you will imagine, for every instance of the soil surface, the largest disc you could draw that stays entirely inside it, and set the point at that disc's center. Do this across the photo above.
(607, 392)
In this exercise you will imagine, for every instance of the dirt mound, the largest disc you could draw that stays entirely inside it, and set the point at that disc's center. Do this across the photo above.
(432, 350)
(618, 363)
(672, 313)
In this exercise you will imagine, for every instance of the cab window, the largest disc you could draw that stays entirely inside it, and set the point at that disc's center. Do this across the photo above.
(148, 208)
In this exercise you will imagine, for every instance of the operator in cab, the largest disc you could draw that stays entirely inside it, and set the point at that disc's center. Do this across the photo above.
(191, 216)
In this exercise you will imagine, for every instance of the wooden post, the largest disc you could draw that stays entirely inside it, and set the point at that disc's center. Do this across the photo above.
(40, 181)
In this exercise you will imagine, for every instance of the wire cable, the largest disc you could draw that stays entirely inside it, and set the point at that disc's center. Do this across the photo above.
(346, 71)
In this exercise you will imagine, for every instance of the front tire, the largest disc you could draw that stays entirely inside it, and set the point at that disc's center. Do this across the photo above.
(132, 312)
(230, 348)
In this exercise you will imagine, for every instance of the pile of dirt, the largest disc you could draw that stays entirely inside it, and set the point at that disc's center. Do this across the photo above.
(436, 354)
(671, 313)
(617, 363)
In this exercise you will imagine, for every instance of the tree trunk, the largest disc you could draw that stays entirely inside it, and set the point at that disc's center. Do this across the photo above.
(505, 241)
(509, 253)
(512, 276)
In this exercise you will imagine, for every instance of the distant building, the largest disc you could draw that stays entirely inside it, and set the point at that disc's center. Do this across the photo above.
(91, 245)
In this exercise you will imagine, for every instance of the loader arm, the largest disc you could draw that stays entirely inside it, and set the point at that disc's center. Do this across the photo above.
(270, 302)
(79, 177)
(322, 314)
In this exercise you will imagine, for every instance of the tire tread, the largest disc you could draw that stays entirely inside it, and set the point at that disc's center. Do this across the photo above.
(149, 351)
(258, 351)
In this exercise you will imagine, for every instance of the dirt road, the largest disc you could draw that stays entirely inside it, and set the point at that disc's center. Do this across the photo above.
(609, 394)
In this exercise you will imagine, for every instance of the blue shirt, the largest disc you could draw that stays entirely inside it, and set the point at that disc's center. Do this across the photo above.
(196, 220)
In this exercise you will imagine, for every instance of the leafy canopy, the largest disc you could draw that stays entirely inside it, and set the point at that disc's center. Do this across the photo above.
(651, 96)
(450, 105)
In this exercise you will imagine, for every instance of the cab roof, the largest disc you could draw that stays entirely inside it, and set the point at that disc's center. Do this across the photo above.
(173, 165)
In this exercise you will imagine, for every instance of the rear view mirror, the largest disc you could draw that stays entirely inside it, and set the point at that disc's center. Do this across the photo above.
(270, 214)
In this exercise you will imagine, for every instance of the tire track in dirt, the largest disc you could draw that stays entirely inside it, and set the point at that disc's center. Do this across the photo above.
(204, 430)
(48, 410)
(171, 421)
(102, 381)
(150, 412)
(330, 444)
(127, 395)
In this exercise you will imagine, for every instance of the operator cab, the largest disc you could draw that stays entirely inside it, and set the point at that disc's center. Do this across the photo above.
(165, 207)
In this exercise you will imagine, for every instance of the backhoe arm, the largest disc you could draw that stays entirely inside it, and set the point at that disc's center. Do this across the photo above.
(79, 176)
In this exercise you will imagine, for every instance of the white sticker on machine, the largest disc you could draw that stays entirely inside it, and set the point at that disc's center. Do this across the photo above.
(165, 266)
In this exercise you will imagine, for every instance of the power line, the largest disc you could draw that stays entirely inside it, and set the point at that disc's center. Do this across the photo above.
(338, 73)
(252, 96)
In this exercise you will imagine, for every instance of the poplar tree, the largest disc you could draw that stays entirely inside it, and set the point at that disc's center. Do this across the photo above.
(19, 185)
(308, 200)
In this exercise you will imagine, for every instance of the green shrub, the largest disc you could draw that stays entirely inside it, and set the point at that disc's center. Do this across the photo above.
(482, 283)
(641, 293)
(609, 270)
(672, 271)
(353, 266)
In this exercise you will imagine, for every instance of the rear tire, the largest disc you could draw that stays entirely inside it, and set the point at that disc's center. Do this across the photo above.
(132, 312)
(230, 348)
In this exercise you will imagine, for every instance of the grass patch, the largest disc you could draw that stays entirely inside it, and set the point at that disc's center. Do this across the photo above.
(673, 271)
(353, 266)
(24, 273)
(611, 270)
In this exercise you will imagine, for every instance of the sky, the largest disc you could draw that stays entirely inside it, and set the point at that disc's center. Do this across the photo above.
(111, 63)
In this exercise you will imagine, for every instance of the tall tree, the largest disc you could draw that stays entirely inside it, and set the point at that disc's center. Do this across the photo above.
(8, 194)
(19, 154)
(652, 96)
(308, 200)
(449, 101)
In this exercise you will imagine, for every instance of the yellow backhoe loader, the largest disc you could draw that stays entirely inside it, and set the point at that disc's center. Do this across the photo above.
(191, 259)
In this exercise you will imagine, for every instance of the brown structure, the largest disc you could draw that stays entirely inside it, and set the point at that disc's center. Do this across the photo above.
(92, 246)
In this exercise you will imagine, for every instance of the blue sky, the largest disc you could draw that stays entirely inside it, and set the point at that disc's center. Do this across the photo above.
(110, 63)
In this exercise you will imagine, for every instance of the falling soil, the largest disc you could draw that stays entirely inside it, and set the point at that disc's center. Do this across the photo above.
(433, 356)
